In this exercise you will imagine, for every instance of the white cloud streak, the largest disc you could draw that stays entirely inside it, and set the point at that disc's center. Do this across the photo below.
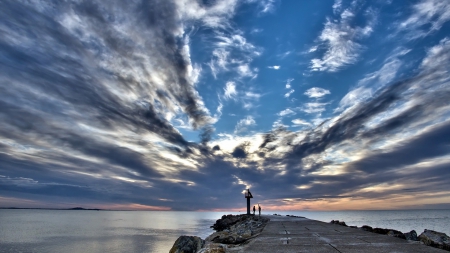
(432, 12)
(286, 112)
(316, 92)
(300, 122)
(374, 81)
(233, 52)
(313, 107)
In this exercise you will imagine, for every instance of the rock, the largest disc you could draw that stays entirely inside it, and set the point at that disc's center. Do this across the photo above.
(435, 239)
(352, 226)
(342, 223)
(228, 220)
(382, 231)
(187, 244)
(337, 222)
(232, 230)
(230, 237)
(396, 233)
(214, 248)
(367, 228)
(236, 229)
(411, 236)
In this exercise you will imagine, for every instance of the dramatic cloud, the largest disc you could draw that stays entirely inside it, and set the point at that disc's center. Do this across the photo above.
(144, 104)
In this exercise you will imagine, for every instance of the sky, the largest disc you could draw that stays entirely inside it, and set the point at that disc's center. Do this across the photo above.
(184, 104)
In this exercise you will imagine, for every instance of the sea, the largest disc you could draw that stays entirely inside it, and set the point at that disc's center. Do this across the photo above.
(73, 231)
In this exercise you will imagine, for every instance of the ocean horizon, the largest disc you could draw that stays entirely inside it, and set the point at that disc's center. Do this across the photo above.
(38, 230)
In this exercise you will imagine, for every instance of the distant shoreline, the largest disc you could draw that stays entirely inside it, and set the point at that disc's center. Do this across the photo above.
(62, 209)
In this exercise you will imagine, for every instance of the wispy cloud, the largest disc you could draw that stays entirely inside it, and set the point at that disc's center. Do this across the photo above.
(313, 107)
(274, 67)
(374, 81)
(433, 13)
(289, 86)
(337, 6)
(233, 52)
(230, 90)
(340, 41)
(264, 6)
(244, 124)
(289, 93)
(300, 122)
(316, 92)
(286, 112)
(437, 56)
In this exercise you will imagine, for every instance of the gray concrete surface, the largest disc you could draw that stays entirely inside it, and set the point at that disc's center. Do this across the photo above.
(292, 234)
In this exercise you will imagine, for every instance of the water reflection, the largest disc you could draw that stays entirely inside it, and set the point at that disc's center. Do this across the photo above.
(94, 231)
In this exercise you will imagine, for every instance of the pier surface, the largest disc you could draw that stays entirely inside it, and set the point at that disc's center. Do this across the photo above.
(293, 234)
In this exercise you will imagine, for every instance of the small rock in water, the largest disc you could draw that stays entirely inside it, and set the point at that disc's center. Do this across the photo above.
(435, 239)
(187, 244)
(411, 236)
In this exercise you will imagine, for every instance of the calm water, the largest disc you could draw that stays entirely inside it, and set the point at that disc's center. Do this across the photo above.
(121, 231)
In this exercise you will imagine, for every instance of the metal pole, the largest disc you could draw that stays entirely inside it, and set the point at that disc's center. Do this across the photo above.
(248, 205)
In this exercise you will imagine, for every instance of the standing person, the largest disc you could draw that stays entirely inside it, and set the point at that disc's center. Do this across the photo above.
(254, 209)
(259, 208)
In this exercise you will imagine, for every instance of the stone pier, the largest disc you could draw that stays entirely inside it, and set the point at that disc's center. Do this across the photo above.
(293, 234)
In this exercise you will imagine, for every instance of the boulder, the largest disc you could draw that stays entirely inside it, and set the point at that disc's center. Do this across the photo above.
(382, 231)
(411, 236)
(230, 237)
(435, 239)
(236, 229)
(187, 244)
(337, 222)
(228, 220)
(214, 248)
(396, 233)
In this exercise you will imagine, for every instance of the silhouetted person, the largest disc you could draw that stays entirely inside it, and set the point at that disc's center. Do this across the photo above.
(254, 209)
(259, 208)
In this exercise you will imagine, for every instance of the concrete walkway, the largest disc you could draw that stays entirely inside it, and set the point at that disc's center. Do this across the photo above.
(292, 234)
